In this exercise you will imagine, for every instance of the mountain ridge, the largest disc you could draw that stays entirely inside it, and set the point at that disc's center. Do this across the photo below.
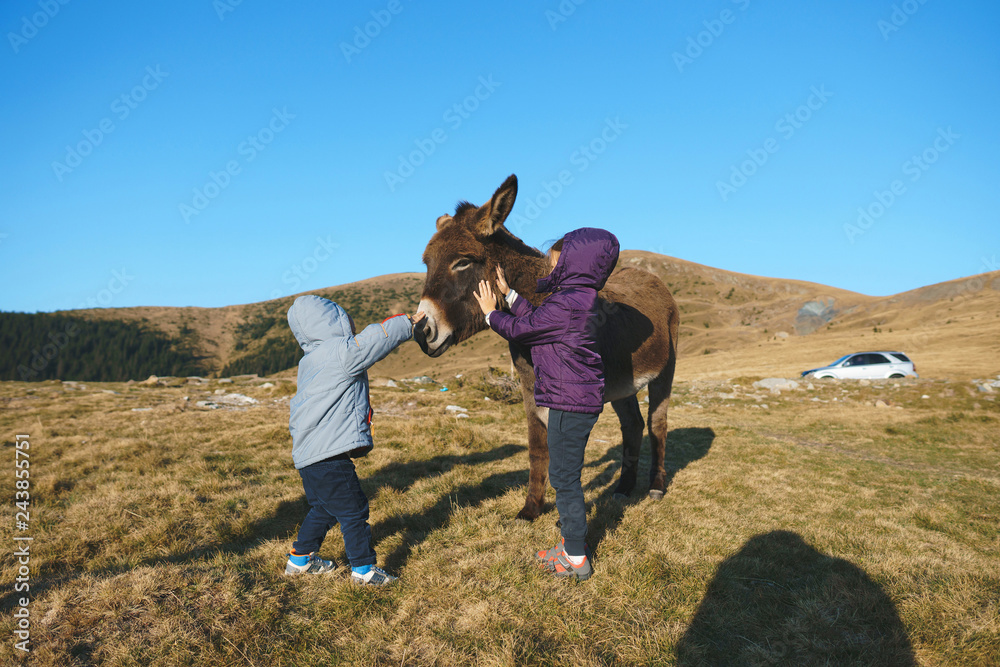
(730, 324)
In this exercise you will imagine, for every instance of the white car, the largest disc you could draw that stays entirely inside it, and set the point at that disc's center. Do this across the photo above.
(866, 365)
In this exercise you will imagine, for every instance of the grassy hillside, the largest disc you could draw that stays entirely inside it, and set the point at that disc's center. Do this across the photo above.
(808, 527)
(58, 346)
(263, 343)
(255, 338)
(731, 324)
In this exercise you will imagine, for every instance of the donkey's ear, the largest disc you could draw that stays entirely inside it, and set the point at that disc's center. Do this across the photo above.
(444, 221)
(493, 213)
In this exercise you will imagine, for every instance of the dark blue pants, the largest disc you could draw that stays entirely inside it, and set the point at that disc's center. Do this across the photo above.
(335, 496)
(568, 433)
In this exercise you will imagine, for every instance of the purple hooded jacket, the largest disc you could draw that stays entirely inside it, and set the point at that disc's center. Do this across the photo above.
(561, 332)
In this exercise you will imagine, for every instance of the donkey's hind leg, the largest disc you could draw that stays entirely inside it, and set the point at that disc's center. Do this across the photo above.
(630, 417)
(659, 401)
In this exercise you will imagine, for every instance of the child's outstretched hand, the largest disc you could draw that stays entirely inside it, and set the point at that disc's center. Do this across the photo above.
(487, 300)
(419, 315)
(502, 282)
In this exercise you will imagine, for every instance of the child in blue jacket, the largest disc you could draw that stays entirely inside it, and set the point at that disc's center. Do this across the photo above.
(330, 422)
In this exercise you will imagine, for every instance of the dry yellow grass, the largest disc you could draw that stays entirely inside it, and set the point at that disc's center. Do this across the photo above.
(806, 532)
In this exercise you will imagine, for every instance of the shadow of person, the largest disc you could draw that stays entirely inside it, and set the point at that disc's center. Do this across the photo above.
(684, 445)
(780, 601)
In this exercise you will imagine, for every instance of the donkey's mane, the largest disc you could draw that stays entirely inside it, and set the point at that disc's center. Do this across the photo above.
(463, 206)
(504, 236)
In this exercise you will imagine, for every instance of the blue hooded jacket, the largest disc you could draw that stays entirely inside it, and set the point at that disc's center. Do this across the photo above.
(562, 331)
(330, 413)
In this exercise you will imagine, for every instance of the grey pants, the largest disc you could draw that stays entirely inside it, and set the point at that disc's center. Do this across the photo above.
(567, 438)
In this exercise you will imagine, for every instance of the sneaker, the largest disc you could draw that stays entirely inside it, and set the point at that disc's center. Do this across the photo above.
(548, 555)
(315, 565)
(374, 577)
(556, 561)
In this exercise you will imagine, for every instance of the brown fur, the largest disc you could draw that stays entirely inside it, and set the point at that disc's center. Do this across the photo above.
(637, 330)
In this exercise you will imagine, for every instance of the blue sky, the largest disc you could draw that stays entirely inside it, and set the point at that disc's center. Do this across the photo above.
(213, 153)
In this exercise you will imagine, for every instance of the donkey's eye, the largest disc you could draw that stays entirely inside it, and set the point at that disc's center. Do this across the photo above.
(461, 264)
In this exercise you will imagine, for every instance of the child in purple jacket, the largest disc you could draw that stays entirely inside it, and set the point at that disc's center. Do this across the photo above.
(569, 373)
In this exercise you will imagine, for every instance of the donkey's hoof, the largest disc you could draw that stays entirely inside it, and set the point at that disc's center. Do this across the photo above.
(623, 490)
(529, 512)
(654, 494)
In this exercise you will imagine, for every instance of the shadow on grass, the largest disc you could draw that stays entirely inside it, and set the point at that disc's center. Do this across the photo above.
(416, 527)
(684, 445)
(401, 475)
(281, 523)
(780, 601)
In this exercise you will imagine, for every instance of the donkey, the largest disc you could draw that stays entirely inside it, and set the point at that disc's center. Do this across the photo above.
(637, 324)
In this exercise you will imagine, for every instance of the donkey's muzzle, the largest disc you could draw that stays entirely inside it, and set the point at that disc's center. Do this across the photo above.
(420, 334)
(426, 335)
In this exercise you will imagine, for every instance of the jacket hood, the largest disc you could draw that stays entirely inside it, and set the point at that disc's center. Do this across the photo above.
(315, 320)
(587, 259)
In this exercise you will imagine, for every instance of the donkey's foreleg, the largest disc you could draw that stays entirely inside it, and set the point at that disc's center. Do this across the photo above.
(538, 445)
(538, 460)
(659, 401)
(630, 417)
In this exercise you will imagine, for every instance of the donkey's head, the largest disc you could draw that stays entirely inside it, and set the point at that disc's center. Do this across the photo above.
(460, 254)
